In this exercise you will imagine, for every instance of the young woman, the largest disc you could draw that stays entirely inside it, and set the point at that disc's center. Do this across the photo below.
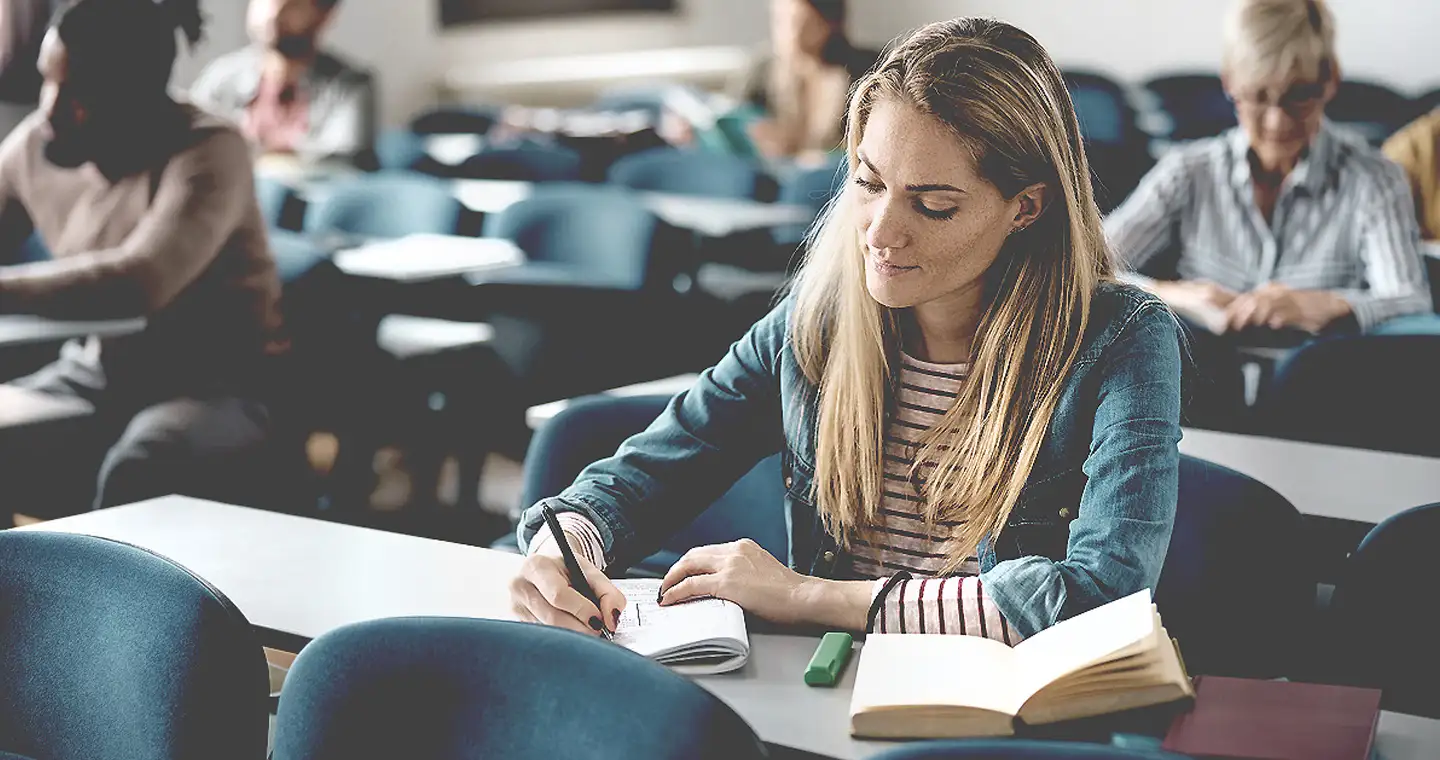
(959, 389)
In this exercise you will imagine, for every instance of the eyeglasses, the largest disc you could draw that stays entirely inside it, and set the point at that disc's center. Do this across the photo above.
(1298, 101)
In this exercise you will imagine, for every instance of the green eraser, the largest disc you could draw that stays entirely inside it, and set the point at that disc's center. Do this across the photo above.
(829, 659)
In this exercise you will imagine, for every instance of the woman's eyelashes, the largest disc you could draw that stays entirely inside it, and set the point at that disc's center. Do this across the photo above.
(875, 188)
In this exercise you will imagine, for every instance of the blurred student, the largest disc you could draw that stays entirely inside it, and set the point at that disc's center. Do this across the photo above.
(803, 85)
(1416, 148)
(290, 97)
(1281, 224)
(148, 206)
(22, 26)
(958, 388)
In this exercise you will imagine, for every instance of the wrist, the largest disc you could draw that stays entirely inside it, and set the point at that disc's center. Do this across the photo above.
(834, 604)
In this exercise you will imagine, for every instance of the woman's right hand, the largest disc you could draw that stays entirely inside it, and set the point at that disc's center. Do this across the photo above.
(542, 593)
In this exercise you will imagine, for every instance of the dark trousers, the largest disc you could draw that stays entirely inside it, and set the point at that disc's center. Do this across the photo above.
(143, 444)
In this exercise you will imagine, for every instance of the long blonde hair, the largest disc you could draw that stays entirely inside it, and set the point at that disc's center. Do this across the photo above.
(998, 90)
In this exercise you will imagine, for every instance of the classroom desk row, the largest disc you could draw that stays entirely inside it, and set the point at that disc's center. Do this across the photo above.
(297, 578)
(1334, 482)
(714, 217)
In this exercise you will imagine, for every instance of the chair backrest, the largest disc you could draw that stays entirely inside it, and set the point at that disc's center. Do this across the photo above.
(528, 163)
(1234, 556)
(281, 207)
(1105, 114)
(385, 205)
(455, 121)
(813, 188)
(454, 689)
(668, 170)
(1369, 391)
(1381, 613)
(1018, 749)
(400, 150)
(1196, 105)
(603, 233)
(295, 254)
(1372, 110)
(115, 653)
(591, 429)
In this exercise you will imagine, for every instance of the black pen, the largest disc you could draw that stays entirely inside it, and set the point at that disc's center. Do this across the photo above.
(572, 566)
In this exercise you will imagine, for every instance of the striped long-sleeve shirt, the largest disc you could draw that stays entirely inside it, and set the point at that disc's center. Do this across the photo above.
(903, 542)
(1344, 222)
(926, 603)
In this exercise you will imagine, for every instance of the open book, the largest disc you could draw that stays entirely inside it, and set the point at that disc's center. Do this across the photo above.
(698, 637)
(1116, 657)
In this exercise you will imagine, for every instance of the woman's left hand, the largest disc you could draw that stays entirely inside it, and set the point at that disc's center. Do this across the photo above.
(743, 573)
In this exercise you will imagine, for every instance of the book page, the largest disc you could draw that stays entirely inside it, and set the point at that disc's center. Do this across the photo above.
(1086, 639)
(702, 625)
(900, 670)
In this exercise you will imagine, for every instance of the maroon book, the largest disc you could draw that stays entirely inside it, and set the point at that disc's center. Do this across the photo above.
(1276, 720)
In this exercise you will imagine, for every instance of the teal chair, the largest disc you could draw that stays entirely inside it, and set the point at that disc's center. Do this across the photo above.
(385, 205)
(280, 206)
(400, 150)
(116, 653)
(527, 163)
(1379, 616)
(591, 236)
(683, 172)
(457, 689)
(1019, 749)
(812, 188)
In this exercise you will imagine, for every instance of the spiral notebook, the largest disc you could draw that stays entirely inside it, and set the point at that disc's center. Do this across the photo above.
(699, 637)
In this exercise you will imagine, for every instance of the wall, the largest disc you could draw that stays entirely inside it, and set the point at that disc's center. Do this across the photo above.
(1391, 40)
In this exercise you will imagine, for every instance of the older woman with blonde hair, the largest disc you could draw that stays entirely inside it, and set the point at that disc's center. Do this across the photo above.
(1283, 223)
(977, 425)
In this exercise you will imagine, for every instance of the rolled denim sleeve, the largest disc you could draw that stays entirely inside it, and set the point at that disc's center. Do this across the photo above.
(707, 437)
(1121, 533)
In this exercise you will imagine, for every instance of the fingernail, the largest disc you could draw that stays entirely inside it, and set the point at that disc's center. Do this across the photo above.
(596, 624)
(659, 595)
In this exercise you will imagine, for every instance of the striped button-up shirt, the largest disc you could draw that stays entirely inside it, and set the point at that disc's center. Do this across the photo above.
(1344, 222)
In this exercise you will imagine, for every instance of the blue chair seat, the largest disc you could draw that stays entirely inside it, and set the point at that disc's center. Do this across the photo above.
(1018, 749)
(1380, 624)
(115, 653)
(667, 170)
(386, 205)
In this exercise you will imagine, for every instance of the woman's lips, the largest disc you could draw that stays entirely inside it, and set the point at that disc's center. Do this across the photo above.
(889, 269)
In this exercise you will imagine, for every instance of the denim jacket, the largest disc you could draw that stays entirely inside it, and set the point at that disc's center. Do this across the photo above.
(1092, 524)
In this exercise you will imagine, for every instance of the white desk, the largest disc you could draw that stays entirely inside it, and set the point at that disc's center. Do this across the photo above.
(306, 577)
(712, 217)
(22, 330)
(1325, 481)
(22, 408)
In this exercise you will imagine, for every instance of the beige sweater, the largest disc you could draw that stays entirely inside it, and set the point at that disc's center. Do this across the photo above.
(181, 243)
